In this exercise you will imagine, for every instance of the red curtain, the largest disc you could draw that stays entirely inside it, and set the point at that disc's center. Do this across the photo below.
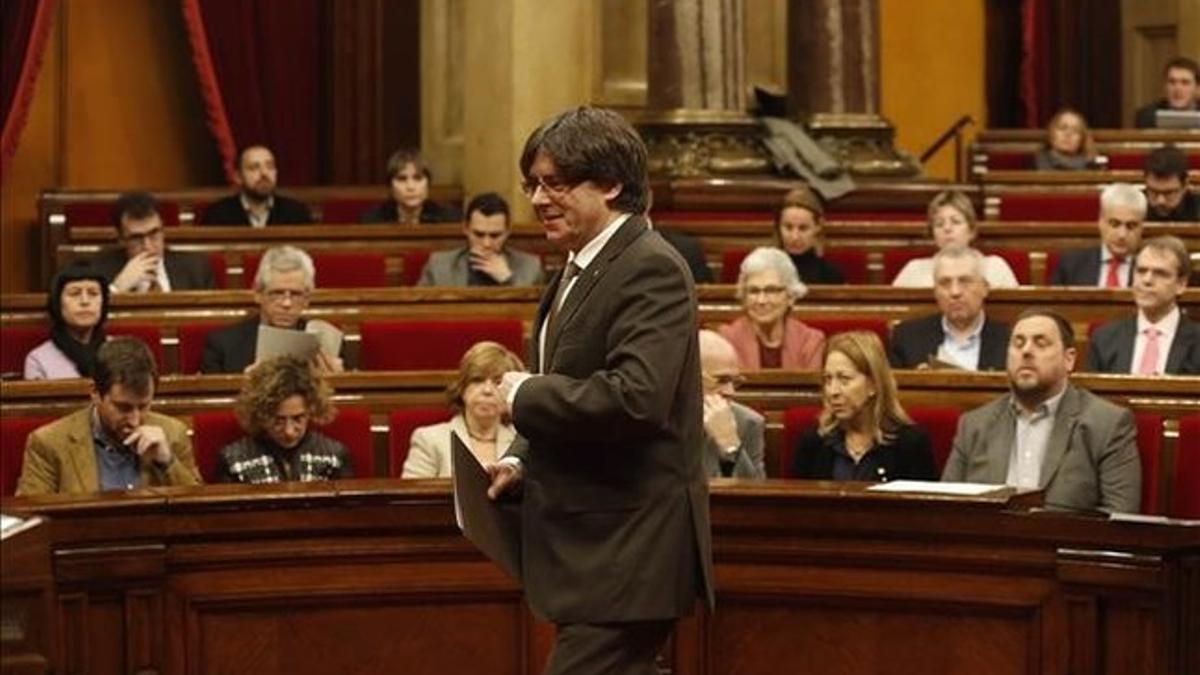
(25, 29)
(260, 71)
(1035, 61)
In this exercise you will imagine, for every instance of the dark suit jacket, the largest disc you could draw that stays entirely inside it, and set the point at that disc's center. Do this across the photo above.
(915, 340)
(229, 211)
(1110, 349)
(431, 212)
(908, 457)
(1187, 210)
(1091, 457)
(185, 271)
(693, 254)
(615, 508)
(231, 349)
(1080, 267)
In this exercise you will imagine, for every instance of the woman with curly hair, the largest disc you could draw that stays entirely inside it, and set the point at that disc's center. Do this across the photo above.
(279, 400)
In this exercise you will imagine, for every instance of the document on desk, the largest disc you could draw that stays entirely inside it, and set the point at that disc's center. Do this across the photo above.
(493, 526)
(933, 487)
(274, 342)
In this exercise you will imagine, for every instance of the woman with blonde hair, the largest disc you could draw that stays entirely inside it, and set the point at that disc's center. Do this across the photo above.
(1068, 146)
(765, 336)
(863, 433)
(280, 400)
(952, 223)
(478, 419)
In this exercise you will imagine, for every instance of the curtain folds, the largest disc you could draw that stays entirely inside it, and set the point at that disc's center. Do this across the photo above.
(261, 77)
(25, 29)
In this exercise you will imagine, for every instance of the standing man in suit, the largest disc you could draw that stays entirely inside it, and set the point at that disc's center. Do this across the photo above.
(1180, 92)
(256, 203)
(1159, 339)
(283, 286)
(733, 433)
(1110, 265)
(486, 260)
(143, 263)
(1045, 433)
(115, 443)
(616, 542)
(961, 335)
(1166, 176)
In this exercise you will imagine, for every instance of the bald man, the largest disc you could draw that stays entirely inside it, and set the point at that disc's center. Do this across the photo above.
(733, 445)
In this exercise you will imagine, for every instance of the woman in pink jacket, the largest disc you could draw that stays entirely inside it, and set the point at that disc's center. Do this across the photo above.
(765, 336)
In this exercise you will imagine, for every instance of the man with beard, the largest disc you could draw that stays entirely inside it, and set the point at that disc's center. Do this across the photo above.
(1167, 193)
(256, 204)
(1046, 434)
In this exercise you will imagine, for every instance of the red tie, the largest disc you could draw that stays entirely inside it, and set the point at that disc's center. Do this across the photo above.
(1149, 364)
(1111, 280)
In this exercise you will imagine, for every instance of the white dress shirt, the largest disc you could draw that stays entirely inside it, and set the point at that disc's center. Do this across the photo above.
(1030, 441)
(1166, 335)
(164, 282)
(963, 353)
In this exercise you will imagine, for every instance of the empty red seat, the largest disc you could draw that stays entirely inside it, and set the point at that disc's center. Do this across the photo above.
(13, 432)
(731, 264)
(99, 214)
(1018, 262)
(1008, 160)
(1049, 206)
(150, 335)
(894, 260)
(795, 421)
(191, 345)
(216, 260)
(1186, 488)
(15, 343)
(1149, 444)
(401, 424)
(941, 423)
(352, 427)
(431, 345)
(334, 269)
(852, 262)
(346, 210)
(414, 264)
(832, 327)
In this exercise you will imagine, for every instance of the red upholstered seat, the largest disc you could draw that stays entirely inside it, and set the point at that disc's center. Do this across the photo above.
(414, 264)
(431, 345)
(898, 215)
(795, 421)
(346, 210)
(15, 343)
(1149, 443)
(852, 262)
(99, 214)
(1018, 262)
(1049, 206)
(832, 327)
(1136, 160)
(1186, 490)
(334, 270)
(216, 260)
(401, 424)
(894, 260)
(1009, 160)
(191, 345)
(213, 430)
(13, 432)
(149, 334)
(941, 423)
(731, 264)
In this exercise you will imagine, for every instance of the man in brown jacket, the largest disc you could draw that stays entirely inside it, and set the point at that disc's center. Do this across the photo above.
(115, 443)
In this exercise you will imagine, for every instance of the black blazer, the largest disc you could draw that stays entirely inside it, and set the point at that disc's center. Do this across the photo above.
(431, 212)
(693, 254)
(231, 349)
(915, 340)
(813, 269)
(229, 211)
(1080, 267)
(909, 456)
(185, 271)
(1110, 350)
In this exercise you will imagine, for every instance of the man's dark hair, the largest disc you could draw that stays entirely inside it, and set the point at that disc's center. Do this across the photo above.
(126, 361)
(133, 205)
(1184, 63)
(1064, 327)
(594, 144)
(1167, 161)
(241, 153)
(489, 204)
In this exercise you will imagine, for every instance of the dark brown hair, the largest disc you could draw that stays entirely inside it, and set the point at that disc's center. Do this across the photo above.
(126, 361)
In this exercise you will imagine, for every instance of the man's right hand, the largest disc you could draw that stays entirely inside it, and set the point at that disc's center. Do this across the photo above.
(506, 476)
(141, 267)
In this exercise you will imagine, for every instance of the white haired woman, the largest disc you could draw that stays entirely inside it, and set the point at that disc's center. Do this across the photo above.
(765, 336)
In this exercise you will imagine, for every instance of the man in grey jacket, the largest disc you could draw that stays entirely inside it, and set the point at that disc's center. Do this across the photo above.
(733, 433)
(485, 260)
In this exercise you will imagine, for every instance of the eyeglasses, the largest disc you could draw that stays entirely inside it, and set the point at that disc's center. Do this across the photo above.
(765, 291)
(734, 380)
(278, 295)
(551, 184)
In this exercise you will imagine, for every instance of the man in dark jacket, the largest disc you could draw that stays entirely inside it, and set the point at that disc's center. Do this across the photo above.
(256, 203)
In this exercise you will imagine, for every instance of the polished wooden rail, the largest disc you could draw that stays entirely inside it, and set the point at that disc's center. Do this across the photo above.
(362, 576)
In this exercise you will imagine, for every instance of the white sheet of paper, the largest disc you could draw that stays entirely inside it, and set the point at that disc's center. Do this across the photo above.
(968, 489)
(328, 335)
(274, 342)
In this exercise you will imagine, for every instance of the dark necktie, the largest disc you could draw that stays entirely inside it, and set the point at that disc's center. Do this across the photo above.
(572, 270)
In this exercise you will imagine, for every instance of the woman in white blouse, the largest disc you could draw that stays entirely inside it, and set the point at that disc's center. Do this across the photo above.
(478, 421)
(952, 223)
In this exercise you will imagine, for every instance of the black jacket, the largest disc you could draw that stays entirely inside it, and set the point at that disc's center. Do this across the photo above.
(1110, 349)
(915, 340)
(229, 211)
(185, 271)
(909, 456)
(1080, 267)
(431, 212)
(231, 349)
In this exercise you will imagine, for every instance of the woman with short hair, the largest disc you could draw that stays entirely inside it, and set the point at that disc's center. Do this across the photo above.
(765, 336)
(78, 308)
(863, 433)
(280, 401)
(408, 180)
(952, 223)
(1068, 146)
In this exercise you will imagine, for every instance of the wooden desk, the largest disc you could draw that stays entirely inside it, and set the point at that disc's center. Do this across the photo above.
(359, 576)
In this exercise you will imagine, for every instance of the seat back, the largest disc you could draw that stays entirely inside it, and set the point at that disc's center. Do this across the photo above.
(211, 431)
(100, 214)
(352, 427)
(941, 423)
(1186, 488)
(401, 424)
(15, 343)
(414, 264)
(795, 421)
(832, 327)
(149, 334)
(431, 345)
(1053, 206)
(731, 264)
(216, 260)
(851, 261)
(1018, 262)
(343, 211)
(191, 345)
(1149, 444)
(334, 269)
(13, 432)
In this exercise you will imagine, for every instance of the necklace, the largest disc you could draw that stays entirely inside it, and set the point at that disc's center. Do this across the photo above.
(480, 438)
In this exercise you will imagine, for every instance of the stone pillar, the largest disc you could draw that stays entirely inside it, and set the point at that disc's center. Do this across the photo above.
(833, 57)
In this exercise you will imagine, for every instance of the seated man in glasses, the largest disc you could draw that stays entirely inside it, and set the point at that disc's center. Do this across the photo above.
(733, 445)
(143, 263)
(486, 260)
(285, 281)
